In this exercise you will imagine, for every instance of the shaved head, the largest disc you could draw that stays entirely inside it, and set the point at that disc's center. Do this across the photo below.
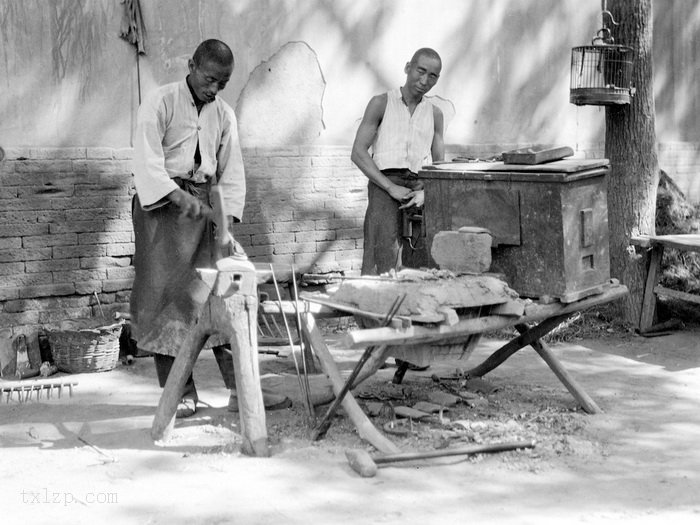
(425, 52)
(213, 50)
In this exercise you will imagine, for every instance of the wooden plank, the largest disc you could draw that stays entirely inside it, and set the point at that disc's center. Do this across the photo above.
(557, 166)
(417, 334)
(364, 426)
(689, 242)
(398, 320)
(536, 154)
(273, 308)
(685, 296)
(646, 319)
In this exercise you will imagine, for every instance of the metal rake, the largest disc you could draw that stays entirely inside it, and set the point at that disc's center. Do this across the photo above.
(24, 391)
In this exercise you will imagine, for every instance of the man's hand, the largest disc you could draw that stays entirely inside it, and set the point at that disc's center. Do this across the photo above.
(414, 198)
(190, 206)
(236, 249)
(399, 193)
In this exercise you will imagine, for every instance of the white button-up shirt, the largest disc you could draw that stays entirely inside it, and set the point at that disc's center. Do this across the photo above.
(168, 129)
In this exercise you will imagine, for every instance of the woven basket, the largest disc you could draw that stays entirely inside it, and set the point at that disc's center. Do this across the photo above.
(86, 350)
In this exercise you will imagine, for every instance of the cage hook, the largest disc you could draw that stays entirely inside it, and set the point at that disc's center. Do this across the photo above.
(612, 19)
(604, 6)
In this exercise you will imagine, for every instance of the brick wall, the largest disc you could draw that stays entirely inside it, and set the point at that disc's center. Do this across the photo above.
(304, 206)
(66, 240)
(65, 234)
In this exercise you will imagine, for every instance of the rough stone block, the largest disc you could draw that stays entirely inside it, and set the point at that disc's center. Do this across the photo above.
(467, 250)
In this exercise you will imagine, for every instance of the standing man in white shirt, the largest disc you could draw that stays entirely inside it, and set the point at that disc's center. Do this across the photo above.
(405, 132)
(186, 141)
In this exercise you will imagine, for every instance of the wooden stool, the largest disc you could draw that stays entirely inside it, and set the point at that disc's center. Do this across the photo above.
(230, 311)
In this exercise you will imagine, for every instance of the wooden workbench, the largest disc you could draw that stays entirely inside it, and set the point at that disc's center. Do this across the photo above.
(537, 320)
(656, 244)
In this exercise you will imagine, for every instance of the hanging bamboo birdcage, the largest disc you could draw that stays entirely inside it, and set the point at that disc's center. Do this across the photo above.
(601, 74)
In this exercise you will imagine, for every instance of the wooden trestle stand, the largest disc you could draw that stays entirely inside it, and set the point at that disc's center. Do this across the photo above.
(230, 311)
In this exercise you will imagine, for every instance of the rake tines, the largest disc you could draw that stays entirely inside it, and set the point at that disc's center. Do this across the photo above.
(25, 391)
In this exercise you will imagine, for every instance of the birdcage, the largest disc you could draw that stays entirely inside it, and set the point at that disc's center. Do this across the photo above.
(601, 74)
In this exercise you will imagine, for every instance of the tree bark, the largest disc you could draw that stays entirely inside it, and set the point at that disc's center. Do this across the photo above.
(630, 144)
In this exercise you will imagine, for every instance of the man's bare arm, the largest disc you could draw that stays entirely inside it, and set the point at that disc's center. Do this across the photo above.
(437, 149)
(364, 138)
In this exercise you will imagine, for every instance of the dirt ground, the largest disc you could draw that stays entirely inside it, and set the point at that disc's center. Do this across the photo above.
(89, 458)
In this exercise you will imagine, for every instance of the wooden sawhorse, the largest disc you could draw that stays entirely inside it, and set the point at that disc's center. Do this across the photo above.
(230, 311)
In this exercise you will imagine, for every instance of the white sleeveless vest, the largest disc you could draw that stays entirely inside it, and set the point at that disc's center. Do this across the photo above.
(404, 140)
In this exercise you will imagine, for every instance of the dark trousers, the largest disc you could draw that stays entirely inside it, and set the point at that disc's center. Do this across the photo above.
(383, 222)
(223, 358)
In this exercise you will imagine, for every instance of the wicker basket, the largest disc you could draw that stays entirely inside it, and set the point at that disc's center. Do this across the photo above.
(86, 350)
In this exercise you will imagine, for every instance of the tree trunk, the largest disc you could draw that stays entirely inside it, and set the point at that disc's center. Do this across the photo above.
(630, 144)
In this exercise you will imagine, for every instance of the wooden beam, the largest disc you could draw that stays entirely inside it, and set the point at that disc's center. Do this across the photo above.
(398, 320)
(417, 334)
(364, 426)
(685, 296)
(688, 242)
(646, 318)
(564, 376)
(525, 338)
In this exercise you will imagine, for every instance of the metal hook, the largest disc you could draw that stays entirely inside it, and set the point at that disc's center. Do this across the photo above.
(612, 19)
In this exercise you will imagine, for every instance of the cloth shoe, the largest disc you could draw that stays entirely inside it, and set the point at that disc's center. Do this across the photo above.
(271, 401)
(186, 408)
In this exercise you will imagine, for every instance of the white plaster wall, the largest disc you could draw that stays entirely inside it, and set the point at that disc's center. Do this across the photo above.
(505, 64)
(69, 80)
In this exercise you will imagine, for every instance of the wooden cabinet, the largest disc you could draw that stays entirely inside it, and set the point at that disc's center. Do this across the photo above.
(549, 222)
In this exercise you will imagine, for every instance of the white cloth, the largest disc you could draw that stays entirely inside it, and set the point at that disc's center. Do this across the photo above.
(404, 140)
(168, 129)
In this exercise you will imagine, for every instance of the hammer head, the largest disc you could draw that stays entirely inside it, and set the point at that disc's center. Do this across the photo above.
(361, 462)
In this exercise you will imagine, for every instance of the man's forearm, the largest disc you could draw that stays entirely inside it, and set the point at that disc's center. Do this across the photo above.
(370, 170)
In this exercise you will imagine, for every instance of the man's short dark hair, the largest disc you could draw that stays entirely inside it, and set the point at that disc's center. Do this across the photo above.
(213, 50)
(425, 52)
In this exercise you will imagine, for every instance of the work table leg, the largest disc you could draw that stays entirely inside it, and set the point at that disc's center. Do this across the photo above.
(586, 402)
(646, 320)
(525, 338)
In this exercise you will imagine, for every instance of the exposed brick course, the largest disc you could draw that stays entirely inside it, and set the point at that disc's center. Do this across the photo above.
(65, 219)
(66, 235)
